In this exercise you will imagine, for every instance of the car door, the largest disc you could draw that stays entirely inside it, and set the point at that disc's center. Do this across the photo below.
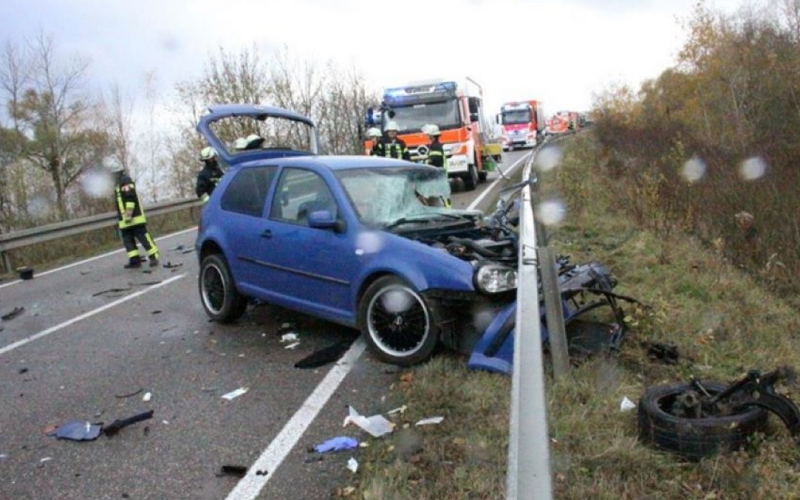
(244, 224)
(311, 268)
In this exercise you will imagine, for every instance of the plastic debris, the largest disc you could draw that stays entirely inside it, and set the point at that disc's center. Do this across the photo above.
(13, 314)
(289, 337)
(292, 346)
(170, 265)
(22, 371)
(376, 425)
(45, 459)
(400, 410)
(352, 464)
(111, 290)
(235, 394)
(77, 430)
(626, 404)
(117, 425)
(664, 353)
(147, 397)
(324, 356)
(430, 421)
(337, 444)
(233, 470)
(128, 395)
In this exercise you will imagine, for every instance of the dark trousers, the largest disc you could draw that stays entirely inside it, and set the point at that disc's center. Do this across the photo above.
(131, 234)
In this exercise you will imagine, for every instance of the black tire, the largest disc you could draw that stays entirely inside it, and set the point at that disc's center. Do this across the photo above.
(694, 438)
(221, 301)
(482, 175)
(471, 178)
(404, 337)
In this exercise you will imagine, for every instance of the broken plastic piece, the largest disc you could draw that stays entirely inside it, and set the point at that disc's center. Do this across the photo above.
(129, 395)
(324, 356)
(376, 425)
(233, 470)
(352, 464)
(430, 421)
(147, 397)
(400, 410)
(117, 425)
(289, 337)
(337, 444)
(626, 404)
(13, 314)
(235, 394)
(292, 346)
(78, 430)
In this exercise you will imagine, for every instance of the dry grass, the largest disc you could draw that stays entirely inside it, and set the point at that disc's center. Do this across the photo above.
(721, 320)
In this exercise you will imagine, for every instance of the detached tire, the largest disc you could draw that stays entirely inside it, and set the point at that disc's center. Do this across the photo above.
(397, 323)
(218, 293)
(694, 438)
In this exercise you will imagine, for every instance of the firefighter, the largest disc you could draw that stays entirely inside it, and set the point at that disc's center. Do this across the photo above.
(208, 178)
(374, 134)
(436, 154)
(132, 223)
(390, 146)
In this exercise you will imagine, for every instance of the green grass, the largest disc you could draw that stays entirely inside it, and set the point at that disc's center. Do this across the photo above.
(721, 320)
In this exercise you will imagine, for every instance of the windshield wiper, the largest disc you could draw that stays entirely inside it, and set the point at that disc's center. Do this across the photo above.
(405, 220)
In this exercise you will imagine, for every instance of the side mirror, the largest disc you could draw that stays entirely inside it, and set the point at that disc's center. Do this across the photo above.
(473, 117)
(324, 219)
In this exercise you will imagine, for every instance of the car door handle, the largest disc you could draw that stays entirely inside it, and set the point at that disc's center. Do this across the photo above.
(267, 233)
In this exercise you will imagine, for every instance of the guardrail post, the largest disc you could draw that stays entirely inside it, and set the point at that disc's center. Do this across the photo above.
(554, 313)
(6, 261)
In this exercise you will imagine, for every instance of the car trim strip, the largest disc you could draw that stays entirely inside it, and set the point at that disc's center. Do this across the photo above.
(295, 271)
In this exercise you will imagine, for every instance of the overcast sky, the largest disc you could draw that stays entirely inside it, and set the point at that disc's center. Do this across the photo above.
(559, 52)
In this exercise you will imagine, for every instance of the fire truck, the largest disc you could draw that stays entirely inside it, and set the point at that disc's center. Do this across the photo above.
(523, 123)
(457, 108)
(563, 121)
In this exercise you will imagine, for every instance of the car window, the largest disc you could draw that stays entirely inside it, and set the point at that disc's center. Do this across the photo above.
(299, 193)
(247, 192)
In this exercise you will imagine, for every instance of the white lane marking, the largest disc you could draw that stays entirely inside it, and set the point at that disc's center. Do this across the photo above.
(85, 315)
(492, 185)
(96, 257)
(250, 486)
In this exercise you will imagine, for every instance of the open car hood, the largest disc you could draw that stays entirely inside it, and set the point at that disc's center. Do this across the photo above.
(258, 113)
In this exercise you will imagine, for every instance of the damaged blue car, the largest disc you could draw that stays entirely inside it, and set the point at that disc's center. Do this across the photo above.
(361, 241)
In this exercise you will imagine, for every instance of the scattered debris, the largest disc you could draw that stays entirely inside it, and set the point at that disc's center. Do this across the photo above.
(3, 456)
(111, 290)
(235, 394)
(289, 337)
(117, 425)
(129, 395)
(25, 273)
(170, 265)
(157, 311)
(314, 458)
(400, 410)
(665, 353)
(430, 421)
(626, 404)
(77, 430)
(262, 472)
(376, 425)
(178, 248)
(233, 470)
(324, 356)
(292, 346)
(45, 459)
(352, 464)
(147, 397)
(336, 444)
(13, 314)
(191, 250)
(22, 370)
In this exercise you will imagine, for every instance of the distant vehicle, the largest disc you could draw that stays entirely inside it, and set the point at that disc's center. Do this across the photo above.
(563, 121)
(523, 123)
(457, 108)
(358, 240)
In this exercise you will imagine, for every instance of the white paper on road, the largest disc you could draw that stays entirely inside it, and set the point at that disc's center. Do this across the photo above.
(430, 421)
(235, 394)
(376, 425)
(626, 404)
(289, 337)
(352, 464)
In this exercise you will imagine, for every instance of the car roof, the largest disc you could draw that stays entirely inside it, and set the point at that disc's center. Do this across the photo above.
(336, 162)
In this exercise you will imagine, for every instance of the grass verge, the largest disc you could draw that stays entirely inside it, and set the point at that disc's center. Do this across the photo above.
(722, 322)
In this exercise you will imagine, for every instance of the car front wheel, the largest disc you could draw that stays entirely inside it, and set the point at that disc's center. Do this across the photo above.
(221, 300)
(397, 323)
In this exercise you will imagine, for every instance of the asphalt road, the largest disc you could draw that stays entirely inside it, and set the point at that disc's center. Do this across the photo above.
(94, 338)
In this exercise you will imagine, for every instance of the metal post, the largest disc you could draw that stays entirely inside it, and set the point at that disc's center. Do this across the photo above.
(554, 312)
(6, 261)
(529, 441)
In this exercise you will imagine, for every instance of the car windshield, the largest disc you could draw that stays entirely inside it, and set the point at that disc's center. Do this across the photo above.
(412, 118)
(516, 117)
(382, 196)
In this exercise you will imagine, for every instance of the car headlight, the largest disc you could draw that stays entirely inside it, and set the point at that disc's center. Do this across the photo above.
(495, 278)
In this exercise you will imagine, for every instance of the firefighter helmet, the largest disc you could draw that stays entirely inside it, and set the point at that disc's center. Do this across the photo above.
(114, 165)
(240, 143)
(208, 153)
(254, 141)
(431, 129)
(373, 132)
(392, 125)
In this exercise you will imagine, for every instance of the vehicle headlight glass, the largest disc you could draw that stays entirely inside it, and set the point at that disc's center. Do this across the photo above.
(495, 278)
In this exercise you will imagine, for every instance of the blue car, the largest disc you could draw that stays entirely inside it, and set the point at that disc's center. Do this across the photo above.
(362, 241)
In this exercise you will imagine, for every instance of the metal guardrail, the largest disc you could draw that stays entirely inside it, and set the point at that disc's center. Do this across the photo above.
(41, 234)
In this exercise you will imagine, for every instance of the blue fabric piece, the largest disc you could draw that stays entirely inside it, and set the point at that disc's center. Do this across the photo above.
(337, 444)
(78, 430)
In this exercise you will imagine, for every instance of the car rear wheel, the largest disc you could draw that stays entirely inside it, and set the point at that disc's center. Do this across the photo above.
(221, 300)
(397, 323)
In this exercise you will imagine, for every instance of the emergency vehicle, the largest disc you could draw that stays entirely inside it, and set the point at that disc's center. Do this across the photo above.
(457, 109)
(523, 123)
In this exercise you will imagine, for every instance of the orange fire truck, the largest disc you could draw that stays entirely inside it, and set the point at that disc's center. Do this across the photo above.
(563, 121)
(457, 108)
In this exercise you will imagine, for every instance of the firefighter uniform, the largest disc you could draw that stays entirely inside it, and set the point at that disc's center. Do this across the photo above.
(132, 223)
(392, 148)
(207, 180)
(436, 154)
